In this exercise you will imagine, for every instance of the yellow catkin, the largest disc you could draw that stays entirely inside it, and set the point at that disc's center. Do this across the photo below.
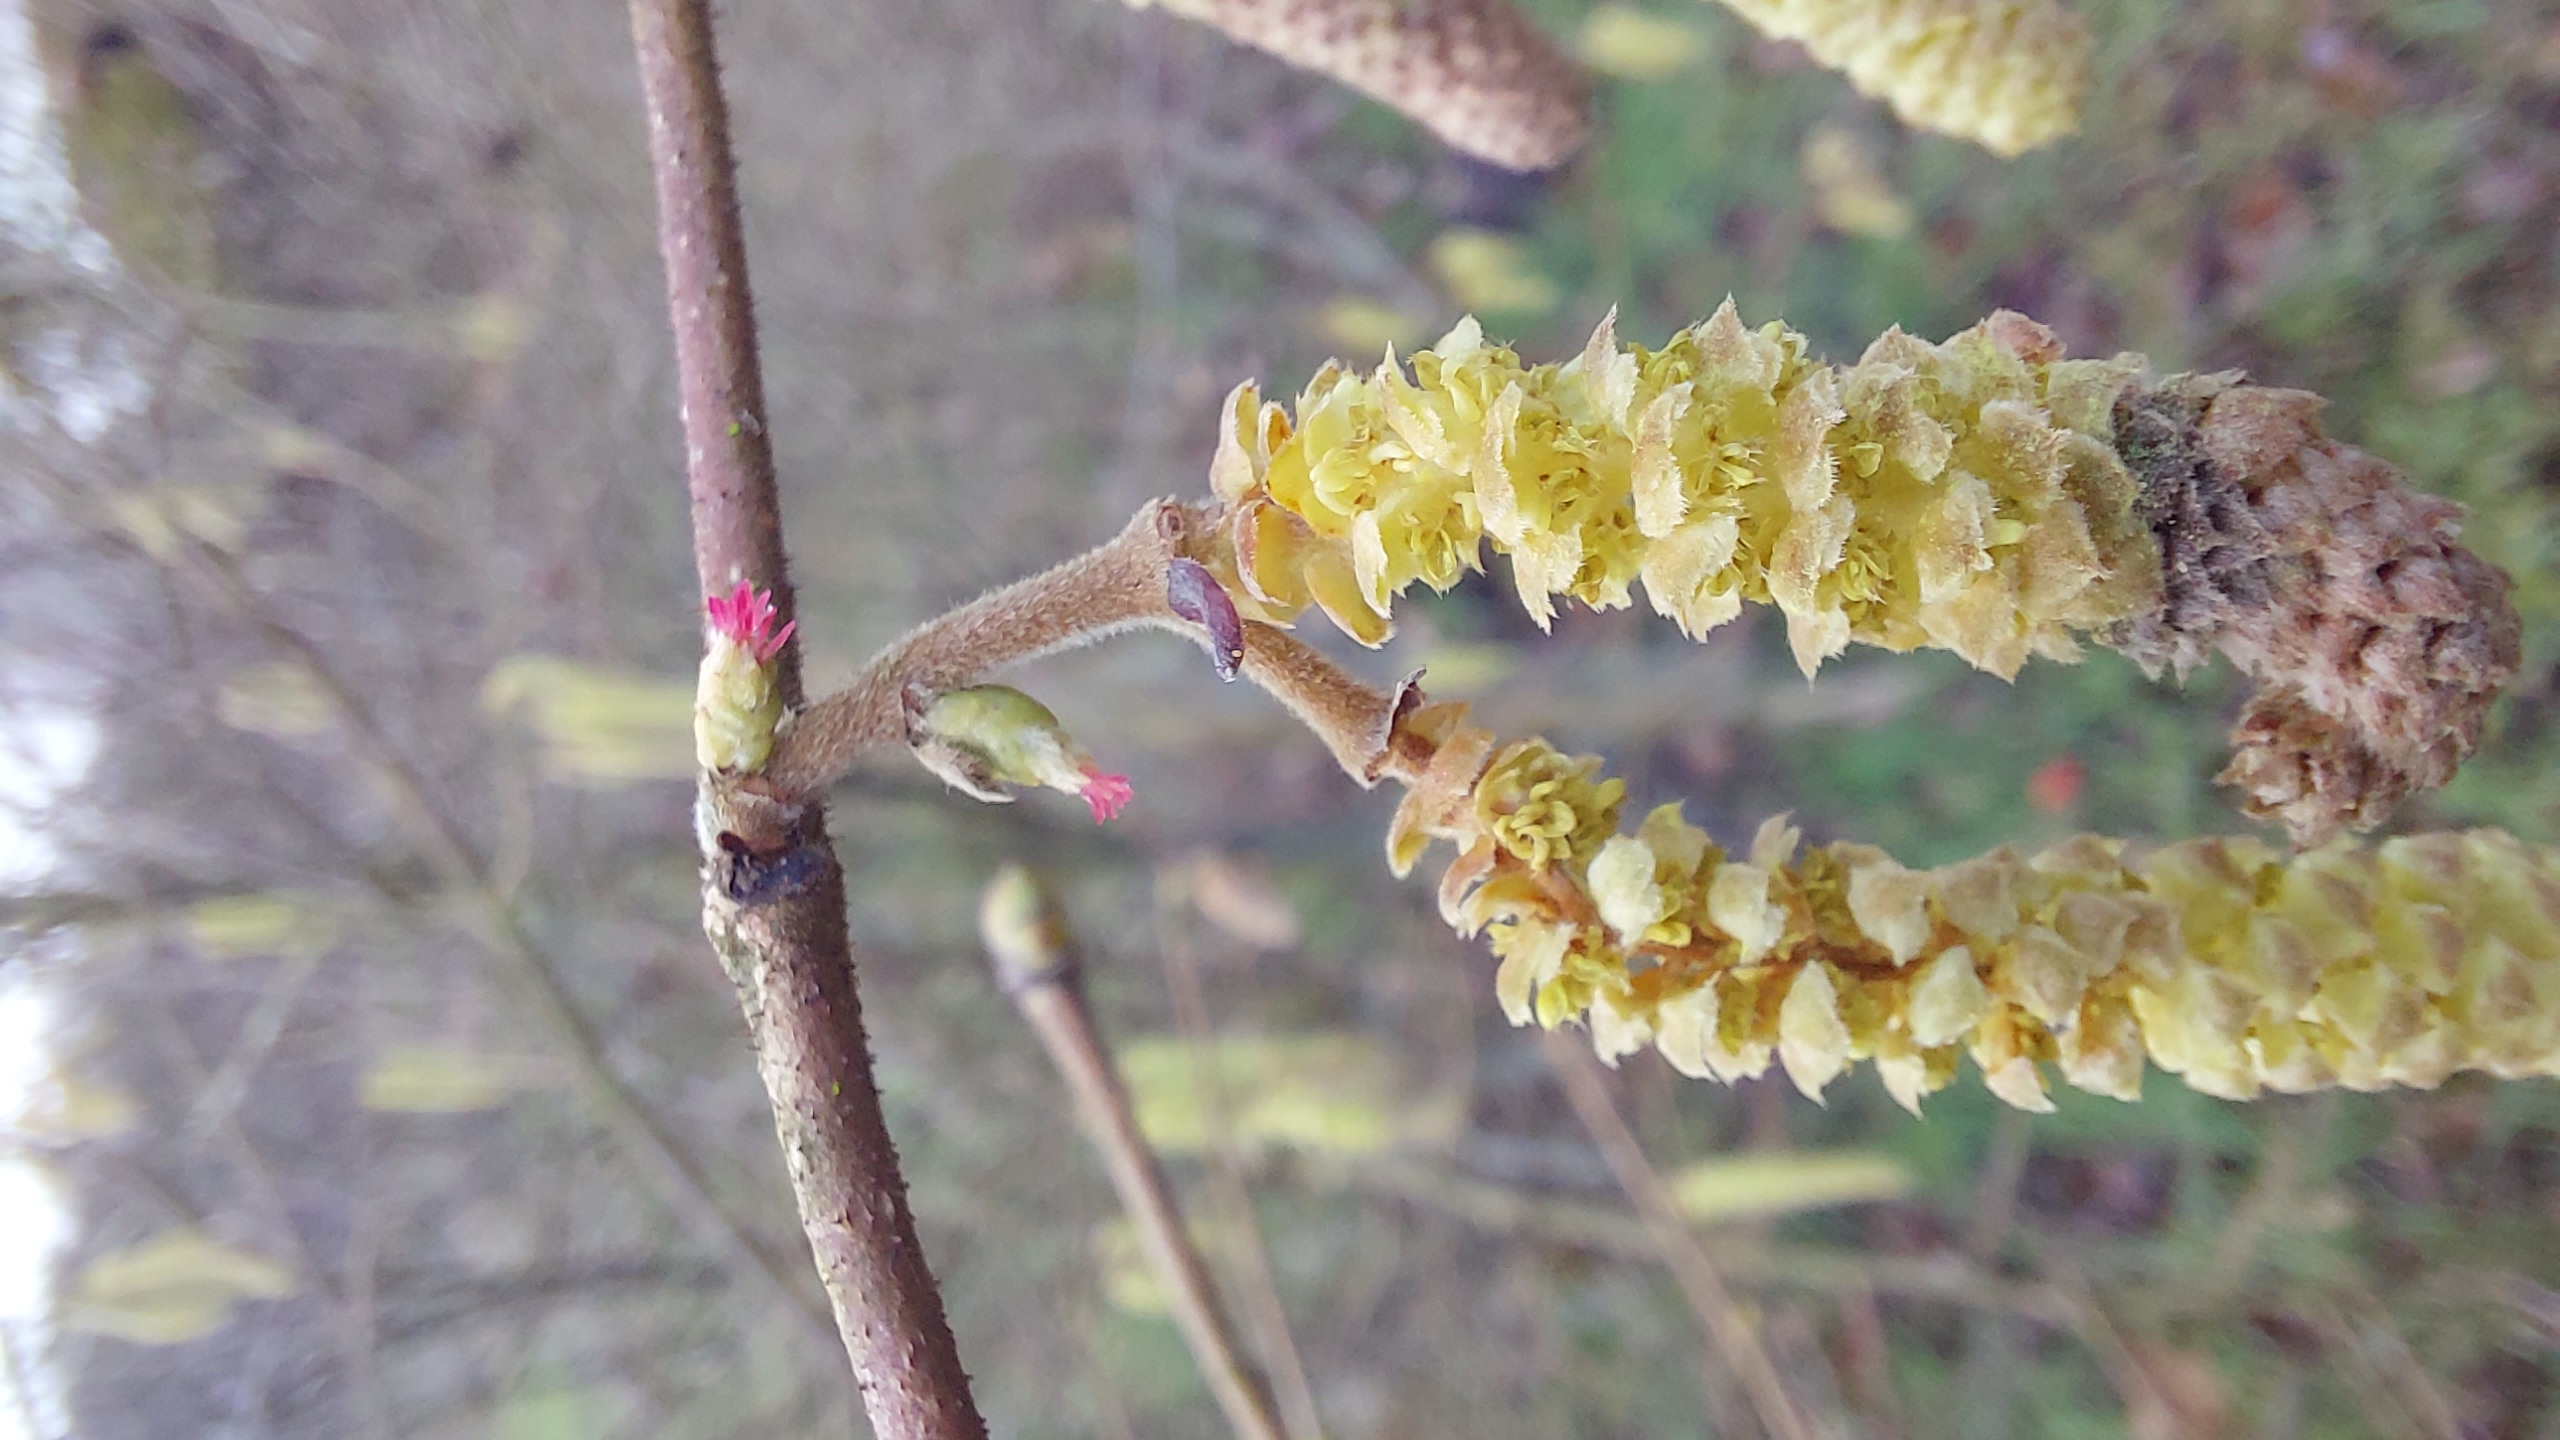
(2224, 961)
(1964, 495)
(1986, 496)
(2005, 74)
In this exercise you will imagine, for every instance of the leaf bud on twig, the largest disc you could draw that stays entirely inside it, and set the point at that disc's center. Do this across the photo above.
(982, 738)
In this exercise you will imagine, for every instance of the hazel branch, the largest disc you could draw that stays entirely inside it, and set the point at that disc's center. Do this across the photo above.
(1986, 495)
(1119, 585)
(776, 916)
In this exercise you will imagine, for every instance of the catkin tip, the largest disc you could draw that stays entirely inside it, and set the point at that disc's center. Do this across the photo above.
(2377, 640)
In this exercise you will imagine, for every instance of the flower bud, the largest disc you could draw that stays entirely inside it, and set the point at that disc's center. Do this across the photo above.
(736, 703)
(983, 738)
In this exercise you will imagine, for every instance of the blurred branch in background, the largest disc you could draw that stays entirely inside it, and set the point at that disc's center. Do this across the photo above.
(1734, 1334)
(1515, 1214)
(1036, 964)
(531, 973)
(1227, 1181)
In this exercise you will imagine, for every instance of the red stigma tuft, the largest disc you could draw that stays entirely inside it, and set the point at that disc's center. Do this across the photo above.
(745, 617)
(1105, 794)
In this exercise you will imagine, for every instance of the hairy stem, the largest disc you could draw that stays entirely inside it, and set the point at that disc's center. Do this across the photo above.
(1114, 586)
(787, 950)
(1118, 585)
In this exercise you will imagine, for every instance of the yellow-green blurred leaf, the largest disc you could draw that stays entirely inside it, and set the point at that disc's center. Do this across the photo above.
(492, 328)
(1241, 900)
(1635, 44)
(139, 155)
(435, 1080)
(546, 1409)
(233, 927)
(1485, 271)
(1849, 192)
(1129, 1283)
(1365, 327)
(163, 518)
(1460, 668)
(279, 699)
(177, 1286)
(599, 724)
(1737, 1186)
(1338, 1092)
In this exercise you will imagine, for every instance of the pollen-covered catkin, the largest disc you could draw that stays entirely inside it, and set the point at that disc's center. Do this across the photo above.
(2005, 74)
(1965, 495)
(1477, 73)
(2222, 961)
(1986, 495)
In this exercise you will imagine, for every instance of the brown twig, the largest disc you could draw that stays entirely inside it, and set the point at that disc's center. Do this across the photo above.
(1229, 1185)
(1699, 1279)
(1988, 1369)
(788, 952)
(1036, 965)
(1504, 1211)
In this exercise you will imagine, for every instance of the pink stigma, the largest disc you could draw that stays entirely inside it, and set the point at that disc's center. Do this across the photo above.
(745, 617)
(1106, 795)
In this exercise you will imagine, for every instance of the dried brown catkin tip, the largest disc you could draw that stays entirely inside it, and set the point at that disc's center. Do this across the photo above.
(1476, 73)
(2377, 640)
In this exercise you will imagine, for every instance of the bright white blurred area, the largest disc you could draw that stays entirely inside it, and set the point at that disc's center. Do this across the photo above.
(45, 747)
(43, 751)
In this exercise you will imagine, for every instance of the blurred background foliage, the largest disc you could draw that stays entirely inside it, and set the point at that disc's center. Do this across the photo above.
(344, 501)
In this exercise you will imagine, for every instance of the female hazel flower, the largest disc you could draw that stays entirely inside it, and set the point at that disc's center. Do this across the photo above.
(736, 705)
(982, 738)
